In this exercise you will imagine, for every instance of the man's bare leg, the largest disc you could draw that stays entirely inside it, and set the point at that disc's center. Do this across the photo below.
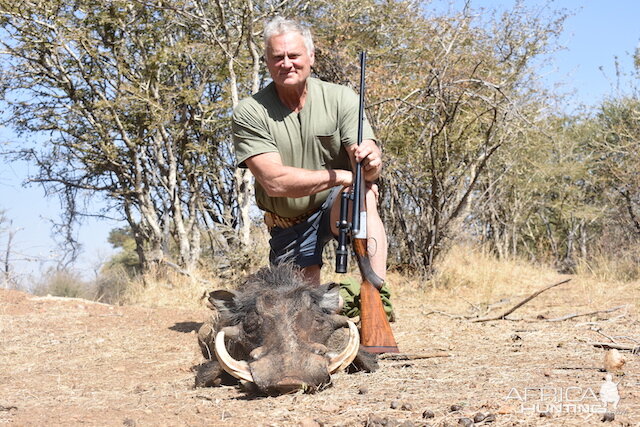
(376, 235)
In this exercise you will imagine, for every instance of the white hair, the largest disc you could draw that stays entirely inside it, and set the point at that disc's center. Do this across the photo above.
(280, 25)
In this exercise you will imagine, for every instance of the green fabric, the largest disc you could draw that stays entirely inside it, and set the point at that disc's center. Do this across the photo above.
(314, 138)
(350, 292)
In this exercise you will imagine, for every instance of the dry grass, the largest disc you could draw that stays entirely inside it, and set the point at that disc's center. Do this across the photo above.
(471, 279)
(166, 286)
(170, 289)
(619, 265)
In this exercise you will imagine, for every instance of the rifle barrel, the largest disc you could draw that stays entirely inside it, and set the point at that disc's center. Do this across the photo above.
(357, 179)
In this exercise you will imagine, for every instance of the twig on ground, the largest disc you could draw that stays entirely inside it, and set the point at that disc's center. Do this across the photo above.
(475, 307)
(520, 304)
(500, 303)
(614, 318)
(598, 331)
(606, 345)
(572, 316)
(628, 338)
(444, 313)
(578, 368)
(389, 356)
(201, 396)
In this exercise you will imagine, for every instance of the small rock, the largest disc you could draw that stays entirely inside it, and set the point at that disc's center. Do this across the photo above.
(515, 337)
(363, 390)
(608, 417)
(129, 422)
(479, 417)
(139, 389)
(490, 418)
(455, 408)
(406, 407)
(545, 414)
(375, 420)
(428, 414)
(466, 422)
(613, 360)
(395, 404)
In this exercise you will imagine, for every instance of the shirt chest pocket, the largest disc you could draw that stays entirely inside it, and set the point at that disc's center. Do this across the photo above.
(330, 147)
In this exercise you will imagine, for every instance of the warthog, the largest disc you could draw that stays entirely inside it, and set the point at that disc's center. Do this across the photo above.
(275, 332)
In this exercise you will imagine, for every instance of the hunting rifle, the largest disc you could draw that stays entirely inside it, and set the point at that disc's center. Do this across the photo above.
(375, 332)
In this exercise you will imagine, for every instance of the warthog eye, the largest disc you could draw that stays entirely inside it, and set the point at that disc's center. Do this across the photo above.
(251, 323)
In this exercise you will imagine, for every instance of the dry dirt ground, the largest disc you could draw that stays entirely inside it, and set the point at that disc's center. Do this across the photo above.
(76, 362)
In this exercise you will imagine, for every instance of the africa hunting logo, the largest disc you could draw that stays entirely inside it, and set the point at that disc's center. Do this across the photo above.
(571, 399)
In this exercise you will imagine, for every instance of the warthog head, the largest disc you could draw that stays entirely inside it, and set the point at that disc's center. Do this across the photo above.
(274, 331)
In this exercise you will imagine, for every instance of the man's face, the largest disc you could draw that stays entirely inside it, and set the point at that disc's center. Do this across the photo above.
(288, 61)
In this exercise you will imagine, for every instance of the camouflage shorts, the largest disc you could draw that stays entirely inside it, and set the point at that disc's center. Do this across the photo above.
(350, 293)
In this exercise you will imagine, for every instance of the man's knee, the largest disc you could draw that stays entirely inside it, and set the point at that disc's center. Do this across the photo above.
(371, 196)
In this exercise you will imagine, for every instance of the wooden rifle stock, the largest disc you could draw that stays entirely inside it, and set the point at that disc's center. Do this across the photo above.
(376, 335)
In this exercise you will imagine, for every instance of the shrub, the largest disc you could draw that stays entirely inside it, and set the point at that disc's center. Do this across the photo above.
(63, 283)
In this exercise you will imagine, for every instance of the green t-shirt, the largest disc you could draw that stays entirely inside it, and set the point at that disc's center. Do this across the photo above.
(313, 138)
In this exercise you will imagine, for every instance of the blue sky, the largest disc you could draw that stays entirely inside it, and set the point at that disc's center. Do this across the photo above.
(597, 32)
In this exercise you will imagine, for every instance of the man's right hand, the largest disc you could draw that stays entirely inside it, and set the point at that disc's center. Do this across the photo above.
(370, 155)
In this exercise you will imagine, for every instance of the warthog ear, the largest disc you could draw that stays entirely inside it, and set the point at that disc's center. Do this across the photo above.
(330, 301)
(222, 300)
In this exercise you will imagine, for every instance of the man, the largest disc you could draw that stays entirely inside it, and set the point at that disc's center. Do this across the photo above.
(298, 138)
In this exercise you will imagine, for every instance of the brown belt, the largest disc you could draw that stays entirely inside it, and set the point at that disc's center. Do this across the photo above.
(273, 220)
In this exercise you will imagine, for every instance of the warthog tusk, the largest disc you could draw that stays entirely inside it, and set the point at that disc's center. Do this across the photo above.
(236, 368)
(347, 355)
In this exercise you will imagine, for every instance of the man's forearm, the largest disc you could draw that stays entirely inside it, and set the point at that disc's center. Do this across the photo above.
(287, 181)
(302, 182)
